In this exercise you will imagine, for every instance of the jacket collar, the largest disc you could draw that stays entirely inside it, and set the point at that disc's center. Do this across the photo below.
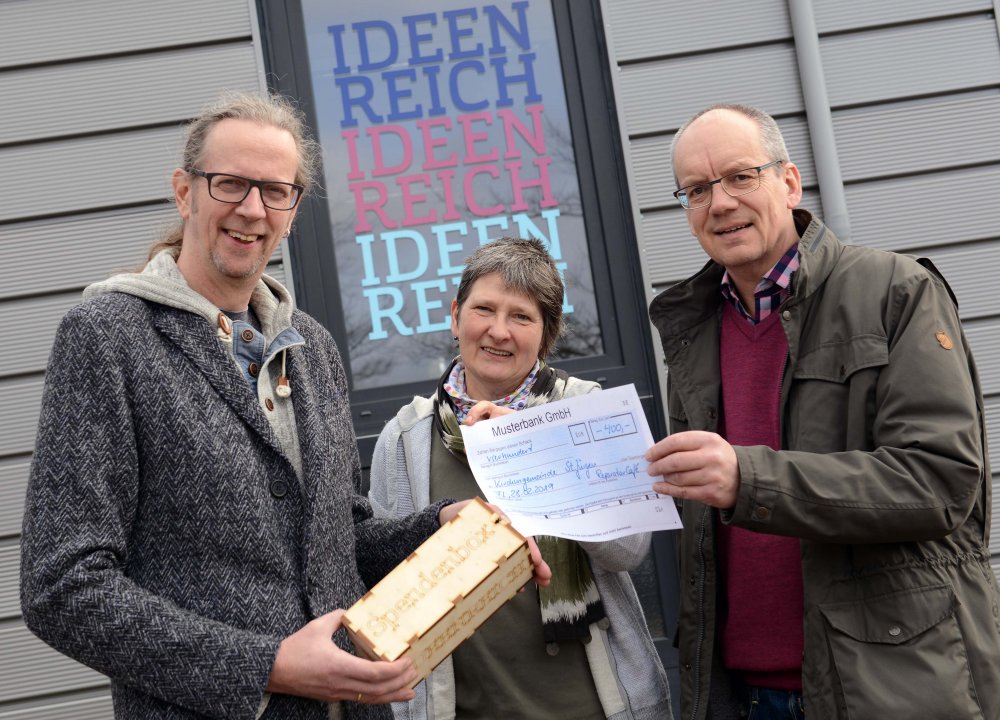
(199, 344)
(819, 250)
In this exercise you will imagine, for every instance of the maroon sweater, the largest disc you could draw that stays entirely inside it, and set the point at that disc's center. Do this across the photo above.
(761, 625)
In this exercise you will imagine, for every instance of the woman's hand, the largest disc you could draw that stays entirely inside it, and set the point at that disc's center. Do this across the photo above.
(484, 410)
(543, 573)
(447, 512)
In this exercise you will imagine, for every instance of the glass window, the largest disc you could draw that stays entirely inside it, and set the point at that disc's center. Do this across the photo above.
(443, 128)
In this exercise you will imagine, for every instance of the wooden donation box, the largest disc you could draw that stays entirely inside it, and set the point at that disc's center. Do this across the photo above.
(440, 594)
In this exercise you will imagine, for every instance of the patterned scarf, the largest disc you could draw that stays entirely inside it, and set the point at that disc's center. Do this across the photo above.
(571, 603)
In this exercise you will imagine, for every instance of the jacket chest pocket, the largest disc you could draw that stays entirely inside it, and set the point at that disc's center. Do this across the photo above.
(901, 655)
(831, 403)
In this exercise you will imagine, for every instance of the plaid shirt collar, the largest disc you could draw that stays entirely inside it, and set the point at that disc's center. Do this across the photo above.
(772, 290)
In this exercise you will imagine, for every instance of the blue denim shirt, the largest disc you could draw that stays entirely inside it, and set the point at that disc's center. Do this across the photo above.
(249, 347)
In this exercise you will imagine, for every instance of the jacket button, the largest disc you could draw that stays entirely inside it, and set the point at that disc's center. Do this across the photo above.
(247, 335)
(279, 488)
(760, 513)
(693, 580)
(269, 404)
(253, 369)
(895, 630)
(786, 315)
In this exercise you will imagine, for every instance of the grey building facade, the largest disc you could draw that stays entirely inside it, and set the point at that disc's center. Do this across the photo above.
(890, 110)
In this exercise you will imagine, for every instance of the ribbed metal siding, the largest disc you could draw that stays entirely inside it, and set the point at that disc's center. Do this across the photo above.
(654, 28)
(53, 101)
(22, 395)
(10, 603)
(33, 323)
(910, 215)
(922, 135)
(941, 57)
(660, 95)
(984, 338)
(92, 705)
(841, 15)
(13, 481)
(92, 173)
(123, 238)
(993, 438)
(92, 97)
(46, 31)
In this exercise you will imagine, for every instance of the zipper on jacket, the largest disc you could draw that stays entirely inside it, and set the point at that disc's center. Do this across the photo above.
(701, 615)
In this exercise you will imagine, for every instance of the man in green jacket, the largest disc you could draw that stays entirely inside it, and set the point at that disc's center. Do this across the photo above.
(828, 446)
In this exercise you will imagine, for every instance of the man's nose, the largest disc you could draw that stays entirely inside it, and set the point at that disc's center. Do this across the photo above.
(253, 204)
(721, 200)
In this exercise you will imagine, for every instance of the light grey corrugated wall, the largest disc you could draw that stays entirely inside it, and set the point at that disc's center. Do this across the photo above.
(92, 96)
(914, 95)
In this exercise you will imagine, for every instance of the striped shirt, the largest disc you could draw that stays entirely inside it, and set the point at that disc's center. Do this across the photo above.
(772, 290)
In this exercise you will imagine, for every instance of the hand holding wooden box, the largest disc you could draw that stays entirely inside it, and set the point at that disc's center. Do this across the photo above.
(440, 594)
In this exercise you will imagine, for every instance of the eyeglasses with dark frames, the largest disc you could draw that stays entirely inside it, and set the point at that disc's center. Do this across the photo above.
(741, 182)
(234, 189)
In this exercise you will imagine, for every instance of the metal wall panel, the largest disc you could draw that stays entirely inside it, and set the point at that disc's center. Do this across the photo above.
(931, 134)
(910, 213)
(653, 170)
(45, 31)
(32, 324)
(911, 61)
(58, 255)
(22, 399)
(841, 15)
(277, 271)
(995, 525)
(143, 160)
(653, 28)
(657, 97)
(29, 667)
(88, 705)
(13, 481)
(36, 100)
(10, 564)
(993, 438)
(984, 339)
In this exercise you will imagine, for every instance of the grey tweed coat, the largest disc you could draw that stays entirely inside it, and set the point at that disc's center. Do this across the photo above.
(167, 540)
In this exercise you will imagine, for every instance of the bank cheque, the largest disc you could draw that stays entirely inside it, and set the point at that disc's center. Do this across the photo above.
(572, 468)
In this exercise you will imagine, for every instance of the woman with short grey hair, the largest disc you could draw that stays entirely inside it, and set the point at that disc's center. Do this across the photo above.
(578, 649)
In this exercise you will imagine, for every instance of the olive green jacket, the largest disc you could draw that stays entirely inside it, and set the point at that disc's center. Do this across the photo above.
(883, 475)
